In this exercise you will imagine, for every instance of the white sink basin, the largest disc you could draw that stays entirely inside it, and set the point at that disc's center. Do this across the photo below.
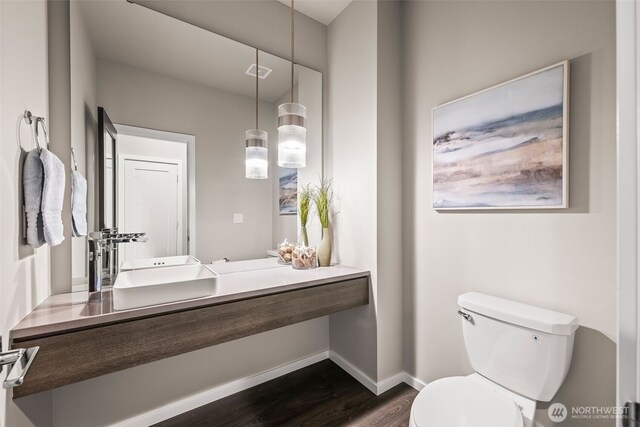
(140, 288)
(168, 261)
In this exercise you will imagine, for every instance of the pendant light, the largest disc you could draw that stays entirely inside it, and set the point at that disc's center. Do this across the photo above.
(292, 135)
(257, 153)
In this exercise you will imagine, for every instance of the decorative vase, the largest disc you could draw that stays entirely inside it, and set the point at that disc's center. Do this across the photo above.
(303, 235)
(324, 250)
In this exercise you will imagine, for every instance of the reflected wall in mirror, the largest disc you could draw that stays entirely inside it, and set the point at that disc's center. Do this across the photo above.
(180, 99)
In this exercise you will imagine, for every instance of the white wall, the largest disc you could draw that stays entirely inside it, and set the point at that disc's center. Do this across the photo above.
(628, 121)
(24, 272)
(563, 260)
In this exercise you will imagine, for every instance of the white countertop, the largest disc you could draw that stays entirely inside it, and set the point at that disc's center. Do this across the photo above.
(238, 280)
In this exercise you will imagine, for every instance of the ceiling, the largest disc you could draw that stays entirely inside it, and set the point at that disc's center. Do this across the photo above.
(145, 39)
(324, 11)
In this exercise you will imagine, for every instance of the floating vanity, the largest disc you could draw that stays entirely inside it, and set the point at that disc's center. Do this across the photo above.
(79, 341)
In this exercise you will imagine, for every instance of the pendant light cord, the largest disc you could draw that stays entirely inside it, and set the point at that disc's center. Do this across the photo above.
(257, 71)
(292, 45)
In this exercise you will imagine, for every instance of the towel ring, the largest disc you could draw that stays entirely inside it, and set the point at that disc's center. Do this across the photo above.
(40, 120)
(26, 117)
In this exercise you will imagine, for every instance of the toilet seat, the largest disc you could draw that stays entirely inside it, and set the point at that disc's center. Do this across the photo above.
(463, 402)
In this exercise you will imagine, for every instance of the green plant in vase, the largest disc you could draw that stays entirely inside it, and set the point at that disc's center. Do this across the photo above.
(305, 197)
(323, 199)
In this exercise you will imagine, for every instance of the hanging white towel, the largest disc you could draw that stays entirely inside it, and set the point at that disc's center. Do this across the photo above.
(78, 204)
(52, 197)
(32, 183)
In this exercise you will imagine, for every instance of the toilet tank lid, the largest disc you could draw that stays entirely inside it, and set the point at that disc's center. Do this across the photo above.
(528, 316)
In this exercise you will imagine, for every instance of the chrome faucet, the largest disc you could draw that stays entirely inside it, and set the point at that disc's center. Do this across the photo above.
(103, 258)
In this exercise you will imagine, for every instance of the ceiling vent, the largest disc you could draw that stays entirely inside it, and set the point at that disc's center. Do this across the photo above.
(263, 72)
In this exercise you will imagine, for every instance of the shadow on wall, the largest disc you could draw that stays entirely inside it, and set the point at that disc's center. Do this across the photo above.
(25, 139)
(35, 409)
(591, 381)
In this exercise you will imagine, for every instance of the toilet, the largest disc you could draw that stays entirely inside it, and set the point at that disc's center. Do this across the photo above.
(520, 354)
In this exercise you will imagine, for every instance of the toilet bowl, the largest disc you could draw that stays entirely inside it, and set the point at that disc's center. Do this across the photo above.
(521, 354)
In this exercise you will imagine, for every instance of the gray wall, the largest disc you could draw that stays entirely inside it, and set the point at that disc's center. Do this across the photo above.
(218, 120)
(283, 226)
(59, 125)
(112, 398)
(263, 24)
(119, 396)
(389, 184)
(83, 125)
(364, 157)
(563, 260)
(351, 162)
(24, 272)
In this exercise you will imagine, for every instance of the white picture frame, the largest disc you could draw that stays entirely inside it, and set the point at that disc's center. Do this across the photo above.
(500, 148)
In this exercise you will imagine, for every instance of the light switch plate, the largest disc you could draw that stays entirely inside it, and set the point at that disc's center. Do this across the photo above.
(238, 218)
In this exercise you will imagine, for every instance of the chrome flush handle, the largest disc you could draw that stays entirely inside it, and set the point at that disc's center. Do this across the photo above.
(466, 316)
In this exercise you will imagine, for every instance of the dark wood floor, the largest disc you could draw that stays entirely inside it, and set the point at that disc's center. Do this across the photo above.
(318, 395)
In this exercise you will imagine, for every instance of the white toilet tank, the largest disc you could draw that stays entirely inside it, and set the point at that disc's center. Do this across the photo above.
(524, 348)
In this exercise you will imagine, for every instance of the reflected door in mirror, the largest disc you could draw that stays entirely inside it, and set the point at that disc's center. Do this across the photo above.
(151, 200)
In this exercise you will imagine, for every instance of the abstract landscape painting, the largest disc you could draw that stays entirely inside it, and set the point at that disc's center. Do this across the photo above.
(504, 147)
(288, 191)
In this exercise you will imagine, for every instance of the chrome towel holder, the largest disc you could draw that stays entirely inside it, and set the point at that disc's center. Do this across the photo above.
(19, 361)
(38, 123)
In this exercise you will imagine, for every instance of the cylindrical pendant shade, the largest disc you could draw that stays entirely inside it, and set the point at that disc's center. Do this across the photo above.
(292, 136)
(257, 160)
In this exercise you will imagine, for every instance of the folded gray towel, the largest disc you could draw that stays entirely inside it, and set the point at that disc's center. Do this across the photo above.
(52, 197)
(78, 204)
(32, 183)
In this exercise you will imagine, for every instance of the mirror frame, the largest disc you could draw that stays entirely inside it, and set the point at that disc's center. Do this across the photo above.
(105, 125)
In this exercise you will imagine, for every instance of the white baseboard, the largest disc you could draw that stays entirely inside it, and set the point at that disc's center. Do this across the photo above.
(375, 387)
(390, 382)
(195, 401)
(354, 372)
(413, 381)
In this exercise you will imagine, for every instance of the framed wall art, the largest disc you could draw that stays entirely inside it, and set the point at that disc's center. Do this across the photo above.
(288, 191)
(505, 147)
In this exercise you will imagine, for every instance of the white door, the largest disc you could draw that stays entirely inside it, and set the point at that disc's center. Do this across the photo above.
(628, 77)
(108, 192)
(151, 203)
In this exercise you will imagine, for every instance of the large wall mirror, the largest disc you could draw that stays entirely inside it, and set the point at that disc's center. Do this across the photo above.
(159, 110)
